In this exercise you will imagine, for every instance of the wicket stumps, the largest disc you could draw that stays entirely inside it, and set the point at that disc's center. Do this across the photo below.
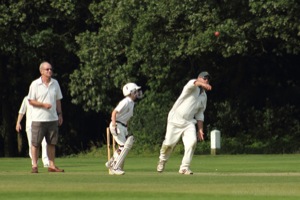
(108, 142)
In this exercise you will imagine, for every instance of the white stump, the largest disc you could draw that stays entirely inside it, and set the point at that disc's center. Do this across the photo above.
(215, 142)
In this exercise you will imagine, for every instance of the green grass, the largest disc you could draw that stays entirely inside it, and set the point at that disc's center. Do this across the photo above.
(244, 177)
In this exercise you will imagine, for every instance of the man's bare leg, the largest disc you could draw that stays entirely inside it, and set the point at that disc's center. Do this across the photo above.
(51, 155)
(35, 155)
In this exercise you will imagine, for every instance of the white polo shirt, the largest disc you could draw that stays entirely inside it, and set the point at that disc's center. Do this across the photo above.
(26, 108)
(190, 105)
(125, 110)
(40, 92)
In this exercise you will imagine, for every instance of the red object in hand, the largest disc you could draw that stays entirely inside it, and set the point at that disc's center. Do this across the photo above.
(217, 33)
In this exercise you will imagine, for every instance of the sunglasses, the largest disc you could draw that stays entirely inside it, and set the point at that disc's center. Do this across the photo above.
(48, 69)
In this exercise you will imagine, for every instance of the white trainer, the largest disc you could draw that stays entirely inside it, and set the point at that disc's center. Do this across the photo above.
(110, 172)
(186, 171)
(116, 172)
(161, 166)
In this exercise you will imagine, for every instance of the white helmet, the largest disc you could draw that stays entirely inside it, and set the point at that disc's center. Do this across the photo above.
(130, 88)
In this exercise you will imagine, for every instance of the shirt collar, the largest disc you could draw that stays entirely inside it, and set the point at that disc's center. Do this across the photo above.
(40, 81)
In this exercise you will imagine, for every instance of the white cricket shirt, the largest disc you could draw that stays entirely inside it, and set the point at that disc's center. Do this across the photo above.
(125, 110)
(190, 105)
(26, 108)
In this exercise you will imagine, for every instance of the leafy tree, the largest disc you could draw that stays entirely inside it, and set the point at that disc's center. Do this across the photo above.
(31, 32)
(161, 44)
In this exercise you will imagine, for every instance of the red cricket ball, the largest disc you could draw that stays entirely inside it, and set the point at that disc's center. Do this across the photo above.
(217, 33)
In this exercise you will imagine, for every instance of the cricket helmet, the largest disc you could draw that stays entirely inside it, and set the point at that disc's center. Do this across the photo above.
(130, 88)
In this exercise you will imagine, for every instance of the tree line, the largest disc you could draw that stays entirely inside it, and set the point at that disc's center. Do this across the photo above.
(95, 47)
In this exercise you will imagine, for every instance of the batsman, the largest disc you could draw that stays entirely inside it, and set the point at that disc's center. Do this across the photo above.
(118, 128)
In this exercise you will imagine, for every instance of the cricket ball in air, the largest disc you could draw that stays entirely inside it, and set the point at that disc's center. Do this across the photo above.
(217, 33)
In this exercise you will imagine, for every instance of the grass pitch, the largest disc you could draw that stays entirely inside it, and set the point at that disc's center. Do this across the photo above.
(241, 177)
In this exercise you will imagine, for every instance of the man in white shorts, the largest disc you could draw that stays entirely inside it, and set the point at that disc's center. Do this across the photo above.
(26, 108)
(118, 127)
(187, 111)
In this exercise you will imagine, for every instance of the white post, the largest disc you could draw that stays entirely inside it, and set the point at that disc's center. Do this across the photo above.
(215, 142)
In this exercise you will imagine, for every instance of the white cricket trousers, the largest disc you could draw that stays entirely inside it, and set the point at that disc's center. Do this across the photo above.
(120, 138)
(173, 134)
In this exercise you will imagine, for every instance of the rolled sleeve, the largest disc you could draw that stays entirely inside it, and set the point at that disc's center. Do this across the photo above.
(199, 116)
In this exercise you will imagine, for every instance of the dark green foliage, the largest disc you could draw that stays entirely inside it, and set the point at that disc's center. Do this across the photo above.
(270, 130)
(98, 46)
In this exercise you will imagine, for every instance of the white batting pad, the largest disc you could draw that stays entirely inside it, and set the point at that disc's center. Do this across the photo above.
(120, 159)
